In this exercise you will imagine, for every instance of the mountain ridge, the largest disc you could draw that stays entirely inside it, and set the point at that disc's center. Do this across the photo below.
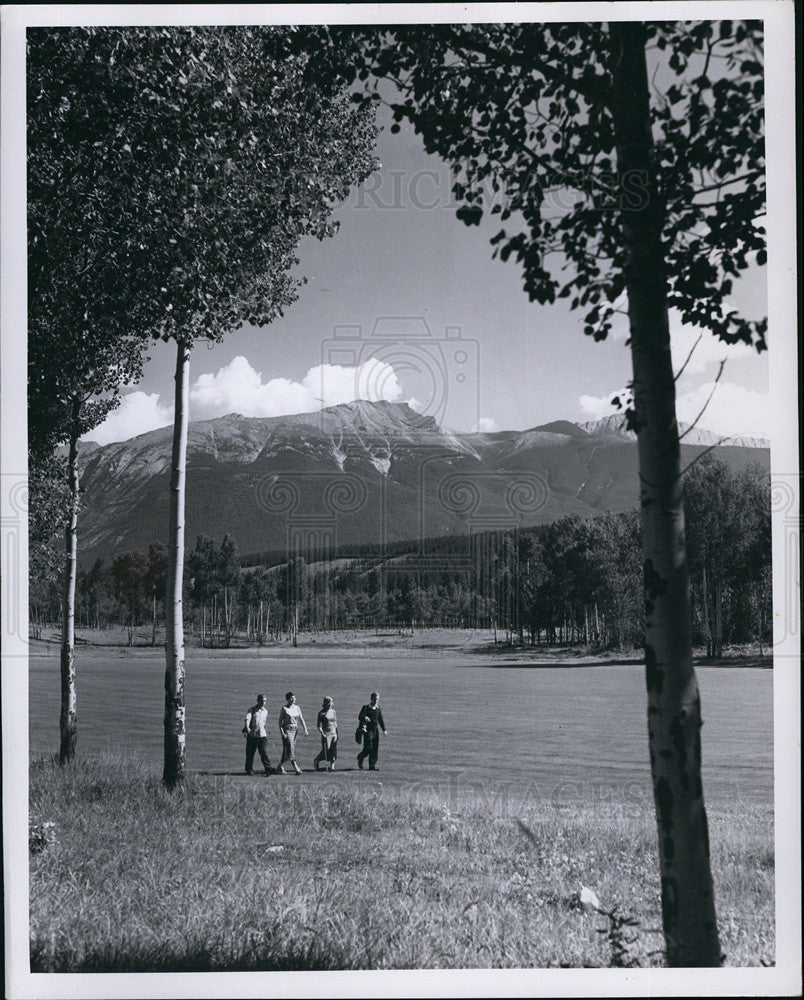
(359, 473)
(614, 424)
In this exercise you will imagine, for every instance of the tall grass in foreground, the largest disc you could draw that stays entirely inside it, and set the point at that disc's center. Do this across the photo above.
(132, 879)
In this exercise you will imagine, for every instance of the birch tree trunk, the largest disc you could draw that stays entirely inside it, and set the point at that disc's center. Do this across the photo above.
(674, 712)
(707, 626)
(718, 641)
(68, 720)
(173, 773)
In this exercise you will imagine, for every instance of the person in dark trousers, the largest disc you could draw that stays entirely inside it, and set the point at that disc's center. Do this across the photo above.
(371, 722)
(256, 735)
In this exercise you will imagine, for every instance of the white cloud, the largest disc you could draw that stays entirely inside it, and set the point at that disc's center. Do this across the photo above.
(415, 404)
(597, 407)
(486, 425)
(708, 353)
(239, 388)
(137, 413)
(733, 410)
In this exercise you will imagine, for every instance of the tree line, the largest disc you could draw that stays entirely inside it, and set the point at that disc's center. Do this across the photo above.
(572, 581)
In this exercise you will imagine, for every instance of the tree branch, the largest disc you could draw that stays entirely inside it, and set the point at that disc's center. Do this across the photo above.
(692, 349)
(708, 400)
(703, 454)
(753, 175)
(497, 56)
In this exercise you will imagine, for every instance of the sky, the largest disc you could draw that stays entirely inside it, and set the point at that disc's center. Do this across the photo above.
(405, 303)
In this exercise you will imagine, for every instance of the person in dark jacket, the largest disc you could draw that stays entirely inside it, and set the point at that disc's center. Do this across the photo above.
(371, 722)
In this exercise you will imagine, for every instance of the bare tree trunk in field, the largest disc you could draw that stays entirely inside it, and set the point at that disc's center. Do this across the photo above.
(674, 710)
(69, 718)
(707, 626)
(173, 773)
(718, 644)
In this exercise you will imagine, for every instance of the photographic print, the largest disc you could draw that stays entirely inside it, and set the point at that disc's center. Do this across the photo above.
(400, 500)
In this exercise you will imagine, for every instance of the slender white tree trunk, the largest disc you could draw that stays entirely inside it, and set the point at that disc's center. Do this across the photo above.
(175, 734)
(674, 709)
(718, 650)
(68, 721)
(705, 602)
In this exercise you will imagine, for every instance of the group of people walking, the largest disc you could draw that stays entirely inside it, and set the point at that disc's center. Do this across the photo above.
(255, 729)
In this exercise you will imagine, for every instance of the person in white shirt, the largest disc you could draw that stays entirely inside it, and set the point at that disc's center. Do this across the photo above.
(289, 718)
(256, 735)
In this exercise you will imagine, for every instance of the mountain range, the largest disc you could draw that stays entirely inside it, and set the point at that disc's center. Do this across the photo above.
(359, 474)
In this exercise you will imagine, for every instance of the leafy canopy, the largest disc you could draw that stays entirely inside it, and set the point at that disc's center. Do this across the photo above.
(172, 173)
(523, 114)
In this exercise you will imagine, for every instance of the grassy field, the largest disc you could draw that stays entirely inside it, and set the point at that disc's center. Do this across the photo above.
(270, 873)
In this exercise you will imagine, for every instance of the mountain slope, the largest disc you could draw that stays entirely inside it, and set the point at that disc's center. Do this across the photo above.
(358, 473)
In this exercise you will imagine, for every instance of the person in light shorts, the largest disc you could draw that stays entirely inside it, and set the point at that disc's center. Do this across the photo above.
(327, 725)
(290, 716)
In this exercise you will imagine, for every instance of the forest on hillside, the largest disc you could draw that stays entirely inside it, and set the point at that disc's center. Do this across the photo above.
(571, 581)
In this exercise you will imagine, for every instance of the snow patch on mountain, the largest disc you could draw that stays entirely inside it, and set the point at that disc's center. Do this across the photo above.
(339, 456)
(612, 425)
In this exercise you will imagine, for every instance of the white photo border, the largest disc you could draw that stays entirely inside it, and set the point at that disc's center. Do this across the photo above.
(782, 979)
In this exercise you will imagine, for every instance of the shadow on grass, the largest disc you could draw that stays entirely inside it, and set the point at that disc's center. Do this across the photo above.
(274, 774)
(308, 957)
(756, 661)
(549, 664)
